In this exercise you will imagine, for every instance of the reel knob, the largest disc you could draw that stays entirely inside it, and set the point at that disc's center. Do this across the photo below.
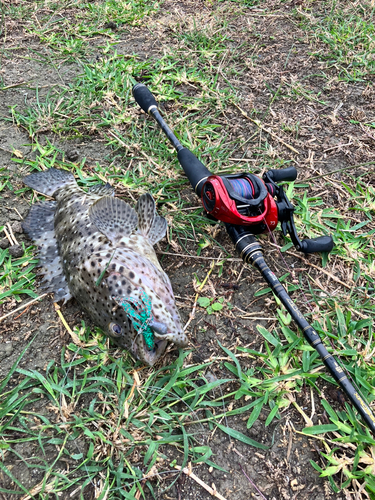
(208, 197)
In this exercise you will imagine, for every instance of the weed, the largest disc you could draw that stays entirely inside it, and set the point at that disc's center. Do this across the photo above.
(212, 305)
(17, 276)
(348, 34)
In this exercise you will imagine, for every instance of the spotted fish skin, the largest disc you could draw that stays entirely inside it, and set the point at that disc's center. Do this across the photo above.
(95, 247)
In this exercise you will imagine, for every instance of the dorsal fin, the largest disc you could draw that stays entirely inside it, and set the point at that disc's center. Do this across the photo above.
(151, 225)
(102, 189)
(145, 209)
(113, 217)
(158, 229)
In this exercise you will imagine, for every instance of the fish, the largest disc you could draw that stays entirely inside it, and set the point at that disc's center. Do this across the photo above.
(98, 249)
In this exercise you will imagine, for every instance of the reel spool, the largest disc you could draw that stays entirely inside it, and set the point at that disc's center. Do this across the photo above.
(241, 199)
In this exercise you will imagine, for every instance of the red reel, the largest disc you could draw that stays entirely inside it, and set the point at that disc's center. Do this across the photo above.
(240, 199)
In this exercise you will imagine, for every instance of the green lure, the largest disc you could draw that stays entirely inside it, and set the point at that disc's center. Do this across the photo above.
(140, 313)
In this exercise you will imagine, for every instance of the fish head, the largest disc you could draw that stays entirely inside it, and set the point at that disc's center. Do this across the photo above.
(145, 317)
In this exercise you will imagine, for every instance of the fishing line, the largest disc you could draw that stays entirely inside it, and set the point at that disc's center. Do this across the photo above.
(243, 187)
(139, 311)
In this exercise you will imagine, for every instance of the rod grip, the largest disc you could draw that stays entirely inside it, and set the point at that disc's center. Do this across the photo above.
(282, 174)
(320, 244)
(144, 97)
(194, 169)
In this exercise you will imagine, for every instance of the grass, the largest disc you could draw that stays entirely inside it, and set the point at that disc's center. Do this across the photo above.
(347, 32)
(67, 29)
(118, 411)
(98, 424)
(17, 275)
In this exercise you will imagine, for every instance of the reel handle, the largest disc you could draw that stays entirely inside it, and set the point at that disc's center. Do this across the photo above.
(319, 244)
(144, 97)
(283, 174)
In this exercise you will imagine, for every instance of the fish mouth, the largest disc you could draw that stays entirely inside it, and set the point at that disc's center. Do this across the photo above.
(160, 331)
(161, 338)
(150, 356)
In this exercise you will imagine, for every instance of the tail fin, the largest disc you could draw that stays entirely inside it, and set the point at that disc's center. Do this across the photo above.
(49, 181)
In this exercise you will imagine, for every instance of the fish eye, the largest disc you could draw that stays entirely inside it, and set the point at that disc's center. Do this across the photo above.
(115, 330)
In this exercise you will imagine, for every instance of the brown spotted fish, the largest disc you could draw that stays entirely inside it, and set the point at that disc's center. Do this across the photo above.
(99, 250)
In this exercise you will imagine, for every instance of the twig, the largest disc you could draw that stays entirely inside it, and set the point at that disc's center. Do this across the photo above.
(250, 315)
(290, 443)
(47, 488)
(14, 208)
(340, 170)
(69, 330)
(74, 336)
(312, 403)
(366, 133)
(258, 124)
(259, 318)
(13, 85)
(191, 474)
(326, 440)
(186, 256)
(255, 486)
(136, 383)
(8, 236)
(23, 312)
(184, 209)
(12, 234)
(22, 307)
(308, 420)
(238, 453)
(338, 146)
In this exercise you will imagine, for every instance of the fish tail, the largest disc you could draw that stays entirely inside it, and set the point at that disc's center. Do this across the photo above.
(49, 181)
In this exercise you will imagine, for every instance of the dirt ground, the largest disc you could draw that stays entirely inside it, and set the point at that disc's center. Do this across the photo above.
(326, 141)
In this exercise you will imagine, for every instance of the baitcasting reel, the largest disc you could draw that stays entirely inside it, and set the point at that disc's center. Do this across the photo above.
(246, 200)
(241, 199)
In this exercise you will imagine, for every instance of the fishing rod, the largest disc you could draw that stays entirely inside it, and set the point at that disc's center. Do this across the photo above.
(249, 205)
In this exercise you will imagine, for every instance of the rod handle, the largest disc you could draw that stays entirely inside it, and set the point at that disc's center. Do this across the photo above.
(282, 174)
(320, 244)
(144, 97)
(194, 169)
